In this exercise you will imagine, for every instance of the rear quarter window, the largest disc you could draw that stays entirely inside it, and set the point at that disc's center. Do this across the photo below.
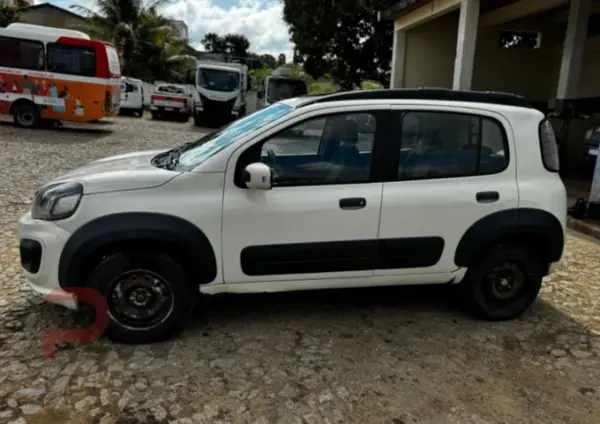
(548, 146)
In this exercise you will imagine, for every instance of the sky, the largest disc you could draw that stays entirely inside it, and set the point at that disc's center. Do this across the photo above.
(261, 21)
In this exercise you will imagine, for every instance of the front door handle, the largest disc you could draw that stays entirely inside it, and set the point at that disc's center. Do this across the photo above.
(352, 203)
(487, 196)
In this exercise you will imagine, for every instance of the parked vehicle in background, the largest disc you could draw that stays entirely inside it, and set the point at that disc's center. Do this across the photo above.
(436, 187)
(132, 96)
(170, 101)
(280, 85)
(52, 74)
(222, 88)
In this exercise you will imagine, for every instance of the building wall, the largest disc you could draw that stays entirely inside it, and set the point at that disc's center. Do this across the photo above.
(430, 52)
(51, 17)
(532, 73)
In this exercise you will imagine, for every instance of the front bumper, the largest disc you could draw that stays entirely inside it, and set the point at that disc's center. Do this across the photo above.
(170, 110)
(216, 109)
(41, 243)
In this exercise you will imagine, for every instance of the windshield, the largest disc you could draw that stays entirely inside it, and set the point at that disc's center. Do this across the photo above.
(218, 79)
(285, 89)
(171, 89)
(214, 142)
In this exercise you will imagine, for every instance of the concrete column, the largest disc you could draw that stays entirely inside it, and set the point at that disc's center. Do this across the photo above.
(398, 60)
(572, 55)
(465, 44)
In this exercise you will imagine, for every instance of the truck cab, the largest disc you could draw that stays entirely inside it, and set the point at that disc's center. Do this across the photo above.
(280, 85)
(221, 89)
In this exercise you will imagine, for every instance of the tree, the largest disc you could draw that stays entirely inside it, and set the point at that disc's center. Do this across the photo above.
(213, 43)
(8, 15)
(144, 37)
(236, 45)
(343, 36)
(281, 60)
(268, 61)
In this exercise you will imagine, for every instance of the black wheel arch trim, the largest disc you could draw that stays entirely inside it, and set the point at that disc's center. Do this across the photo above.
(132, 227)
(512, 223)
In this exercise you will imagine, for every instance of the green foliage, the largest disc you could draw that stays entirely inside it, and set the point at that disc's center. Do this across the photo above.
(341, 37)
(9, 15)
(236, 45)
(144, 37)
(257, 74)
(371, 85)
(323, 87)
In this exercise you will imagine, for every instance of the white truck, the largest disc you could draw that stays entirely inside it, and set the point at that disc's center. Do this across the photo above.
(222, 89)
(280, 85)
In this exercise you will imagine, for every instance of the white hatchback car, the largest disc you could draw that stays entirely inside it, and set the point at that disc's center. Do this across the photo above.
(390, 187)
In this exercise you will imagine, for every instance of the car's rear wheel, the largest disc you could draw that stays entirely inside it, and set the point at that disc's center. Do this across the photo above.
(148, 295)
(155, 115)
(27, 116)
(503, 283)
(140, 113)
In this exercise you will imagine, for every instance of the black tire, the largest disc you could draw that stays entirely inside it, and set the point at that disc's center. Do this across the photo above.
(140, 113)
(144, 272)
(184, 118)
(27, 116)
(485, 290)
(155, 115)
(197, 120)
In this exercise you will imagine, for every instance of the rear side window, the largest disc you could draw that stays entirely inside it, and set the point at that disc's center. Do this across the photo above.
(71, 60)
(21, 54)
(129, 88)
(447, 145)
(549, 146)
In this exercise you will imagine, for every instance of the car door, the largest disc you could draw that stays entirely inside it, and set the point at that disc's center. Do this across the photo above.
(452, 168)
(320, 218)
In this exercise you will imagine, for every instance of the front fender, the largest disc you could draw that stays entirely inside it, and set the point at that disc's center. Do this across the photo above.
(107, 233)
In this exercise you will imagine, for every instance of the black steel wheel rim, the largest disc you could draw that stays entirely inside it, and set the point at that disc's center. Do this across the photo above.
(505, 282)
(140, 300)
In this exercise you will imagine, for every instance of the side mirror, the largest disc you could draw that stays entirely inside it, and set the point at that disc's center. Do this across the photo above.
(257, 176)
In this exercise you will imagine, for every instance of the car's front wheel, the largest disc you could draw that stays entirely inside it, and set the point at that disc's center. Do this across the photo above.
(148, 295)
(503, 283)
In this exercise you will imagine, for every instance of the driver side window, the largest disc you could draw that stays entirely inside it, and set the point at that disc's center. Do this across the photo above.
(336, 149)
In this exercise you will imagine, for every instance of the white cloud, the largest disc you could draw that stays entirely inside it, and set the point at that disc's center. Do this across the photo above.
(261, 21)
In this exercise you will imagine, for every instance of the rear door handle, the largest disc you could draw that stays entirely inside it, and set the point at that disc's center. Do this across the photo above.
(487, 196)
(352, 203)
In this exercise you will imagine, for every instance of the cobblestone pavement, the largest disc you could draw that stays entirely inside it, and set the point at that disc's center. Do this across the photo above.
(361, 356)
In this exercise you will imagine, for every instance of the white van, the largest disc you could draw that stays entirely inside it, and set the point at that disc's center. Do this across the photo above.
(132, 96)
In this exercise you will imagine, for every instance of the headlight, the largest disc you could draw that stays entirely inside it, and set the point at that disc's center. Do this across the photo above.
(57, 201)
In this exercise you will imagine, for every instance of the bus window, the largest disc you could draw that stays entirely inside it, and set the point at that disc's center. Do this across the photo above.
(71, 60)
(21, 54)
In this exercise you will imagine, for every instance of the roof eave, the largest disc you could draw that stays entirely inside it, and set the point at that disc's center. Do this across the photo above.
(390, 13)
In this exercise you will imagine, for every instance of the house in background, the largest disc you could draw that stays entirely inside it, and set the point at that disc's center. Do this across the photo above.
(53, 16)
(546, 50)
